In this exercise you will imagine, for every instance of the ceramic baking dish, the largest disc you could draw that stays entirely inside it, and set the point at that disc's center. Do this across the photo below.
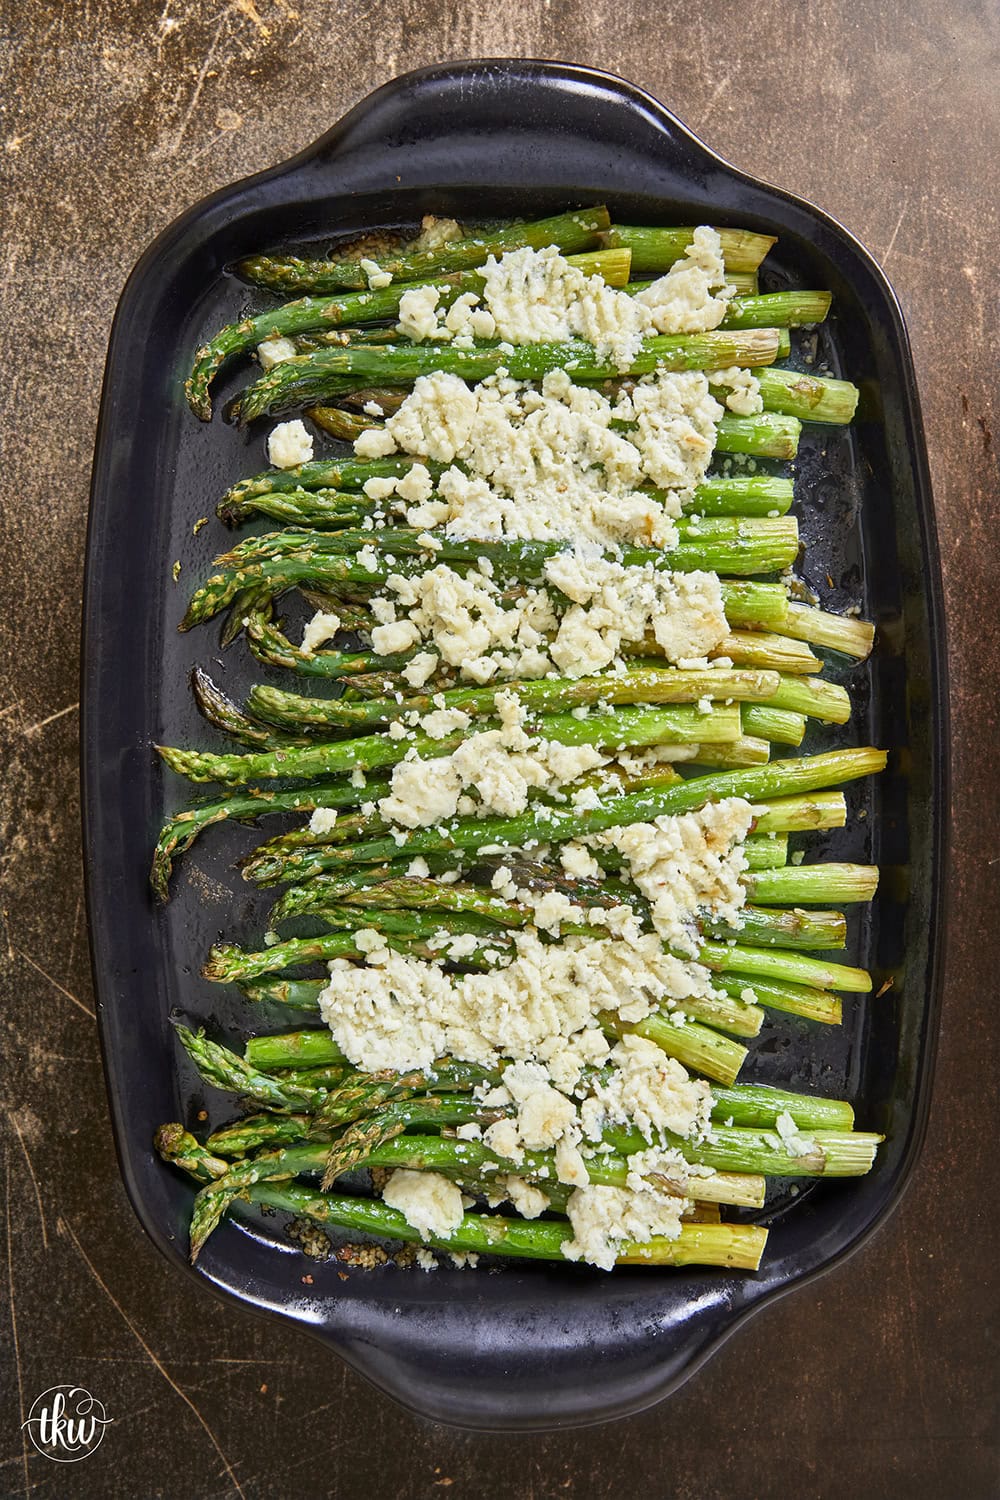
(523, 1345)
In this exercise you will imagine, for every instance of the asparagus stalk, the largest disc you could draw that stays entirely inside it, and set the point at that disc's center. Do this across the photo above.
(767, 652)
(766, 435)
(310, 378)
(547, 825)
(297, 994)
(338, 474)
(777, 310)
(282, 560)
(761, 606)
(226, 715)
(795, 968)
(226, 1070)
(763, 927)
(825, 1153)
(776, 725)
(742, 495)
(542, 695)
(680, 725)
(811, 885)
(746, 751)
(810, 398)
(836, 632)
(347, 477)
(698, 1047)
(812, 696)
(766, 851)
(570, 232)
(180, 831)
(656, 250)
(736, 1246)
(800, 814)
(758, 1105)
(750, 495)
(793, 999)
(345, 426)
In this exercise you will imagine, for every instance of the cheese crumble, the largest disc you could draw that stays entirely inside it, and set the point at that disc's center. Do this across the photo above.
(543, 1005)
(289, 445)
(550, 463)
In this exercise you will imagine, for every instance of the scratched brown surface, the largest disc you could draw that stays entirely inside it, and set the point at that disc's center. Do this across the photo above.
(881, 1380)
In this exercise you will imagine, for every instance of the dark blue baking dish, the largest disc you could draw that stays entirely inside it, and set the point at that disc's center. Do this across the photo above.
(524, 1345)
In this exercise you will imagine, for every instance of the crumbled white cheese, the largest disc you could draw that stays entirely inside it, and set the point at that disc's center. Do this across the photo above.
(688, 863)
(612, 604)
(570, 1165)
(675, 419)
(289, 445)
(650, 1090)
(374, 275)
(529, 1200)
(692, 297)
(537, 296)
(321, 628)
(436, 419)
(420, 668)
(501, 765)
(542, 1005)
(604, 1218)
(466, 619)
(544, 1115)
(379, 489)
(392, 640)
(503, 1138)
(275, 351)
(550, 463)
(794, 1143)
(436, 233)
(576, 859)
(322, 820)
(423, 792)
(417, 313)
(743, 395)
(444, 721)
(374, 442)
(427, 1201)
(415, 486)
(477, 630)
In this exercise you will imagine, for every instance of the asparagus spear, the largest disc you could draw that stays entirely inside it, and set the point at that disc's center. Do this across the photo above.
(837, 632)
(793, 999)
(776, 725)
(571, 231)
(308, 378)
(332, 561)
(541, 695)
(656, 250)
(679, 725)
(180, 831)
(779, 778)
(811, 885)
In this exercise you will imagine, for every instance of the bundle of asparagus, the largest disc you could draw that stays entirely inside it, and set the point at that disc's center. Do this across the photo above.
(660, 738)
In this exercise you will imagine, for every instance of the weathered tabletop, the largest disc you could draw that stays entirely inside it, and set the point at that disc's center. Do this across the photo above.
(881, 1379)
